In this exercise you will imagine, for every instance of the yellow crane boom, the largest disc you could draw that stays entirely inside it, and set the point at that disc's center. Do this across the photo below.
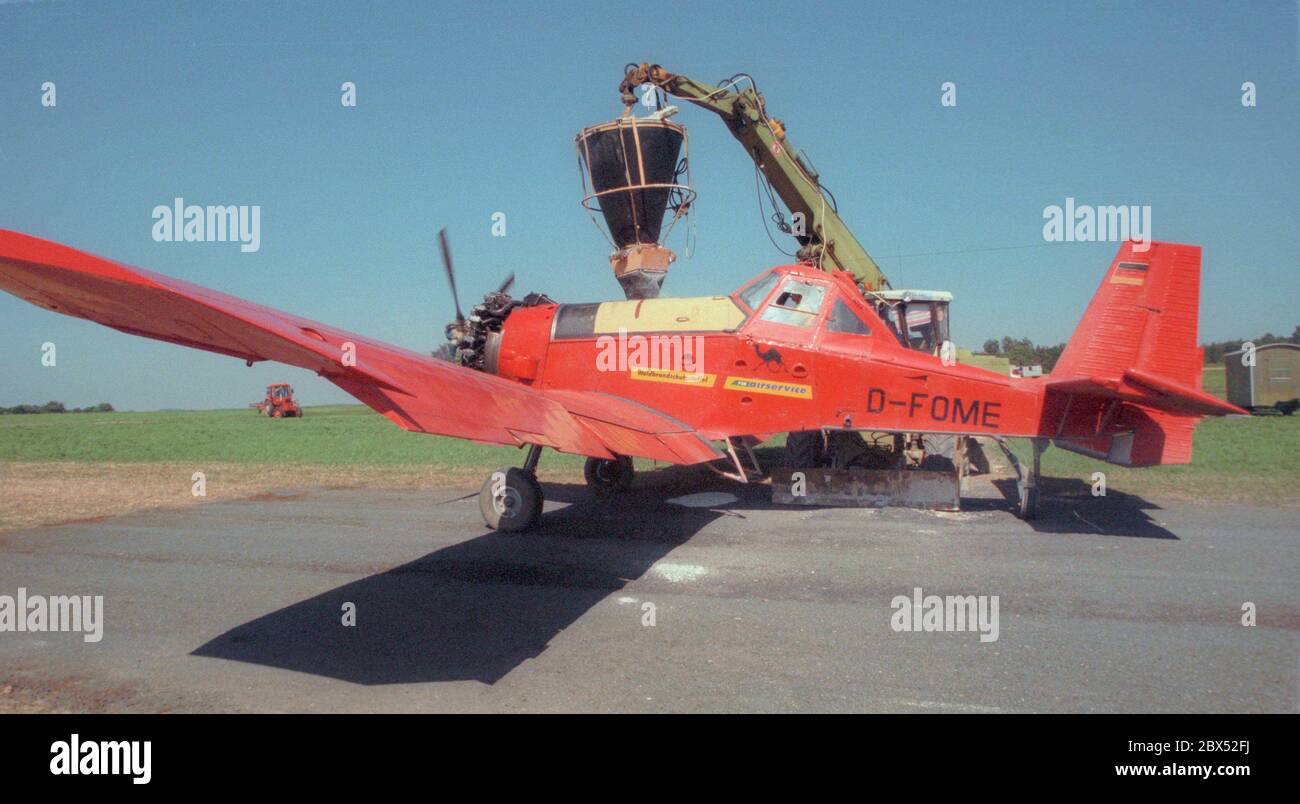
(824, 239)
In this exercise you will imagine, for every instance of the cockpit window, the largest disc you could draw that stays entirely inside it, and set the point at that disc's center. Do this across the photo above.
(845, 320)
(753, 295)
(796, 304)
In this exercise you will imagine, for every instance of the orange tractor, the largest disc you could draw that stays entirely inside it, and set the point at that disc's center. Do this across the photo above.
(279, 402)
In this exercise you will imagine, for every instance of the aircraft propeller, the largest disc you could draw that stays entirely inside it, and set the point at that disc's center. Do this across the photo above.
(451, 274)
(465, 336)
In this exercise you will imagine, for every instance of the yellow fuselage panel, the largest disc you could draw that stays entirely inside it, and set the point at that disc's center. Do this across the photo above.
(695, 314)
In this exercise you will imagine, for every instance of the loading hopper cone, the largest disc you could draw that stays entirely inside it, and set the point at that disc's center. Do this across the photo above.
(630, 174)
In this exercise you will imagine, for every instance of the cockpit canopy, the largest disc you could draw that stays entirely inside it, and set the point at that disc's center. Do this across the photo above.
(918, 319)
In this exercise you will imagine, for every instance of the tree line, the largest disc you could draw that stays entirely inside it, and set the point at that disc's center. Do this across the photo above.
(57, 407)
(1024, 352)
(1214, 352)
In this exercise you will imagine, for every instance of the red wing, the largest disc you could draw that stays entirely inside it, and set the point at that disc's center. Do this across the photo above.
(415, 391)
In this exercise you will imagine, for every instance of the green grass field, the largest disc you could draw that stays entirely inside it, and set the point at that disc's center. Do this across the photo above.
(1238, 458)
(331, 435)
(1215, 381)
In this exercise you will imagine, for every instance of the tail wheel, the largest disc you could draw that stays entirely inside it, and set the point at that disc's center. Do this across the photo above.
(1028, 507)
(510, 500)
(1030, 480)
(609, 477)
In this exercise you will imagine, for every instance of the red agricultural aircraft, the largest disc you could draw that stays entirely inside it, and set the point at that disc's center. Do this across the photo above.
(795, 349)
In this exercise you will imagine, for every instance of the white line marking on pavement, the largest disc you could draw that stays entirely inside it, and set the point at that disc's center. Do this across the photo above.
(676, 573)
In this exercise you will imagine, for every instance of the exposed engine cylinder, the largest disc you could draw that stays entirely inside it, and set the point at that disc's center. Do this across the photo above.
(473, 342)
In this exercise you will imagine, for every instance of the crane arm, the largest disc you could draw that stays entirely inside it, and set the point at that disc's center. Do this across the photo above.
(825, 240)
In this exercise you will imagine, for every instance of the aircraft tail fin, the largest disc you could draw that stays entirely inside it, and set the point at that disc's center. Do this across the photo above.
(1133, 367)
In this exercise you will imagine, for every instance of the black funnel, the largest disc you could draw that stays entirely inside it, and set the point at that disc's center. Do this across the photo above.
(632, 163)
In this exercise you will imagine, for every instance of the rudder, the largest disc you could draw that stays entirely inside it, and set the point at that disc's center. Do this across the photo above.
(1143, 316)
(1128, 384)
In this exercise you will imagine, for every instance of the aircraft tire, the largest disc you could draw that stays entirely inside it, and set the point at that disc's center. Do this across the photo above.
(1028, 506)
(511, 502)
(608, 477)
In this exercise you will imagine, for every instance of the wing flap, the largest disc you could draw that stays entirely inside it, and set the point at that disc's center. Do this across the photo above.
(630, 428)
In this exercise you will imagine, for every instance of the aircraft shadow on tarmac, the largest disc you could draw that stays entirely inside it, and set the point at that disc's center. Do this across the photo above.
(478, 609)
(1066, 505)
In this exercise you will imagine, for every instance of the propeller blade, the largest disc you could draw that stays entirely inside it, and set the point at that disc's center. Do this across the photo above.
(506, 285)
(451, 275)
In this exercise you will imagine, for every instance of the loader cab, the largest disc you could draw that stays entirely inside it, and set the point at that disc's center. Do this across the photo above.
(917, 318)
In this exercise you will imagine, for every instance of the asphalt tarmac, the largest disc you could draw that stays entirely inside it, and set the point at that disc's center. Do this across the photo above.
(721, 602)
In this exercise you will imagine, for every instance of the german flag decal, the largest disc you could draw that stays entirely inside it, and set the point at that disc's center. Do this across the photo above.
(773, 387)
(1129, 273)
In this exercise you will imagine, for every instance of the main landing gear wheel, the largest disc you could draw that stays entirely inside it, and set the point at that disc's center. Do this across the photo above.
(608, 477)
(511, 498)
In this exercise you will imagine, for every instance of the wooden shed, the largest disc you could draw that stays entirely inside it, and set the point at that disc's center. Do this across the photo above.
(1272, 383)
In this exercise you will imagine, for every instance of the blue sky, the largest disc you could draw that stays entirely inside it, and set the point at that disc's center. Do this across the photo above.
(464, 110)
